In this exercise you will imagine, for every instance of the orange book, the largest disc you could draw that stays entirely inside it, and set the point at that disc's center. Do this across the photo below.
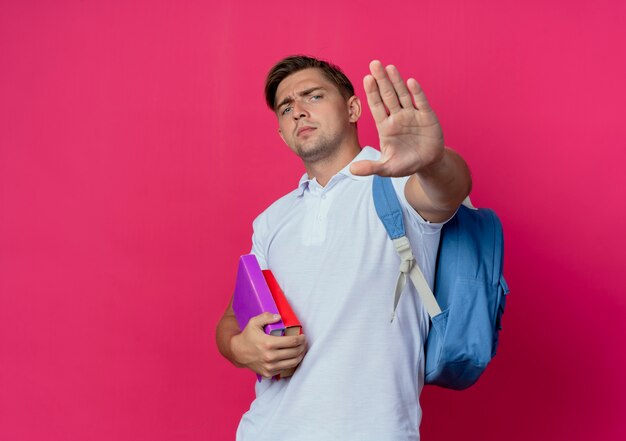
(290, 321)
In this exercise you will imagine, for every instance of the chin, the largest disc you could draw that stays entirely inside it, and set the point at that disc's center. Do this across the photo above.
(315, 153)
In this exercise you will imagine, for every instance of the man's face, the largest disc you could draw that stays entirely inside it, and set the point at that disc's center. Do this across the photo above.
(313, 117)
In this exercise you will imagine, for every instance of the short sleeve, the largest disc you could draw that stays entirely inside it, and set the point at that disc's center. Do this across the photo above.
(259, 234)
(411, 214)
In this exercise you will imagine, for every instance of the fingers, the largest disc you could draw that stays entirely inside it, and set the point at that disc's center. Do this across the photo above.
(366, 168)
(277, 360)
(374, 100)
(399, 87)
(264, 354)
(283, 365)
(273, 341)
(285, 355)
(269, 369)
(287, 341)
(385, 87)
(261, 320)
(418, 95)
(386, 91)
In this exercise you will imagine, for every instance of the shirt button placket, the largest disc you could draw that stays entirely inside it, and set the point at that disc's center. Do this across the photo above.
(323, 208)
(320, 209)
(318, 229)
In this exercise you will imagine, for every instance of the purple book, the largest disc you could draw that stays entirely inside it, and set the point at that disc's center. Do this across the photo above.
(252, 295)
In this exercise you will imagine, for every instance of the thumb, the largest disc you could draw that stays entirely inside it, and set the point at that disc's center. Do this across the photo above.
(366, 168)
(263, 319)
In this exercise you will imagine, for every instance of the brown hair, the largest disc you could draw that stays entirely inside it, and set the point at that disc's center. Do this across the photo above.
(295, 63)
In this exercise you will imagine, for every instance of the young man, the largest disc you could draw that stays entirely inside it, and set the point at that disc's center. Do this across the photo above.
(358, 375)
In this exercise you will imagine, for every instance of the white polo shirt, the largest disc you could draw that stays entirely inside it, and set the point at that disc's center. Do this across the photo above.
(362, 375)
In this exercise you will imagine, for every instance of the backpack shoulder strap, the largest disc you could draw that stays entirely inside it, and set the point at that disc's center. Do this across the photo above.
(390, 213)
(388, 207)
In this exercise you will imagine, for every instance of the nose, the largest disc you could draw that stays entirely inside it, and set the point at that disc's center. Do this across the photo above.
(299, 110)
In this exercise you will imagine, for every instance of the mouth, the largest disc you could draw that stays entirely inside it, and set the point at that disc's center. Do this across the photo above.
(304, 130)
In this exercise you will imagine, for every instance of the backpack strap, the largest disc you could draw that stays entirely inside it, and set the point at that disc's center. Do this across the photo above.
(390, 213)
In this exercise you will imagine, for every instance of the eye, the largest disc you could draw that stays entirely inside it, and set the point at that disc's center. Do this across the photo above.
(316, 97)
(286, 110)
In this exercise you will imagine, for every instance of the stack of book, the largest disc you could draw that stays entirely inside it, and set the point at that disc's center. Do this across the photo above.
(256, 292)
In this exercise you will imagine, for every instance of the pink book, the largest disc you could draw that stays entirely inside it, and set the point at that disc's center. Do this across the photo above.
(253, 297)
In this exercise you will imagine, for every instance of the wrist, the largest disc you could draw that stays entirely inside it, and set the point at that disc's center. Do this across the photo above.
(445, 183)
(435, 165)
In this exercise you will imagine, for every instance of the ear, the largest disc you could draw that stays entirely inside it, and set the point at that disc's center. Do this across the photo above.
(280, 132)
(354, 108)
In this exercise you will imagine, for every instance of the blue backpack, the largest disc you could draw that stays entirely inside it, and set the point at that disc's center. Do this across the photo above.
(467, 306)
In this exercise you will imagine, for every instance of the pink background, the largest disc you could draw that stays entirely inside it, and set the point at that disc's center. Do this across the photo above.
(135, 151)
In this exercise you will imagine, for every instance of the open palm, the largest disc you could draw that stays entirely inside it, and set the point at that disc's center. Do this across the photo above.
(410, 135)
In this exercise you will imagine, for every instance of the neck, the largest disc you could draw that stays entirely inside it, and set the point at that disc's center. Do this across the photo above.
(326, 168)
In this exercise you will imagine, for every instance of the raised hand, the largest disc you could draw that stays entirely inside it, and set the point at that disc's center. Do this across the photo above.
(410, 134)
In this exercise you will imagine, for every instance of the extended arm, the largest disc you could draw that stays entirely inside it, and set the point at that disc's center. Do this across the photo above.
(437, 191)
(411, 143)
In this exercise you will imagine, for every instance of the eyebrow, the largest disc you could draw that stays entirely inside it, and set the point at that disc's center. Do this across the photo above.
(305, 92)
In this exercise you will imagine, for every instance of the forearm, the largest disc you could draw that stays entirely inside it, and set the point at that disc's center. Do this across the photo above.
(437, 191)
(226, 330)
